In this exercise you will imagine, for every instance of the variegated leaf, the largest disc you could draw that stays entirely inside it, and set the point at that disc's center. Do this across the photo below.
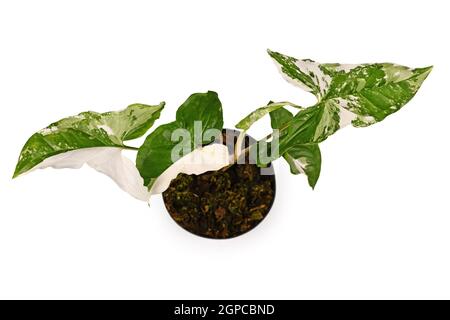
(364, 94)
(95, 139)
(360, 95)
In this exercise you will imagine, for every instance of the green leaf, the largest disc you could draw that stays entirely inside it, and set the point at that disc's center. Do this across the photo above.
(361, 94)
(87, 130)
(155, 155)
(280, 117)
(302, 158)
(305, 158)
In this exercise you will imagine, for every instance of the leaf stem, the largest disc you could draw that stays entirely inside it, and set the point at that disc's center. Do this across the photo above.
(266, 138)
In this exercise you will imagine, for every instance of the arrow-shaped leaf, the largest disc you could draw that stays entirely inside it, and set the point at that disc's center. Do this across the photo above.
(93, 138)
(302, 158)
(360, 95)
(155, 155)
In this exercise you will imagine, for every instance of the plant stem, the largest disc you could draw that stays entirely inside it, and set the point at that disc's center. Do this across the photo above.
(247, 149)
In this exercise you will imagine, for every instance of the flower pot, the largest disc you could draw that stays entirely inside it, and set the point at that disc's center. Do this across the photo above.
(222, 204)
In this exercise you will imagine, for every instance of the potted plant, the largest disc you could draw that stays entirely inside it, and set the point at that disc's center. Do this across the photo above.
(217, 182)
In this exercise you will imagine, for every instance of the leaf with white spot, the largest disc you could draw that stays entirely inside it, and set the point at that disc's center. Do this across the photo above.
(92, 138)
(361, 94)
(208, 158)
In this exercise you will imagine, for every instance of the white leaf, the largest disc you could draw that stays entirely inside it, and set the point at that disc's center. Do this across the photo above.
(209, 158)
(111, 162)
(107, 160)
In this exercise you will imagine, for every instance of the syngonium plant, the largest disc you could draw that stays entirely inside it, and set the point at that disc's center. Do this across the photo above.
(359, 95)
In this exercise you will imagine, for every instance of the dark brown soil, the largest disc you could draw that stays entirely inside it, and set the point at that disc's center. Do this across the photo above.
(221, 204)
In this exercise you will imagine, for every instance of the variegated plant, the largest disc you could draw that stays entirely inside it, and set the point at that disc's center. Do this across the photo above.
(97, 139)
(360, 95)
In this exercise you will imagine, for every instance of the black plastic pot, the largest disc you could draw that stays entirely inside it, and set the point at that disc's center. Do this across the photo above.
(194, 209)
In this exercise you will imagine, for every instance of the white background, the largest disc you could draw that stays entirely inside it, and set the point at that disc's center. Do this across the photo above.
(377, 225)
